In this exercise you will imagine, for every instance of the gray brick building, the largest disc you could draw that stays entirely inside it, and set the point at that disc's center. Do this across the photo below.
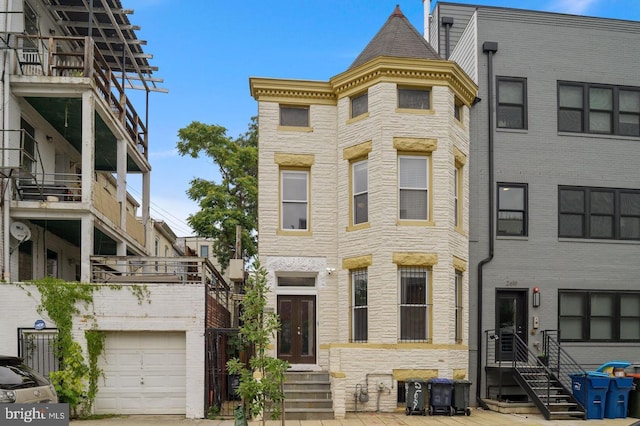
(554, 191)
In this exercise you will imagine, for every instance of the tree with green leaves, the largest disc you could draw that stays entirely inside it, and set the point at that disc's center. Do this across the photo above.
(234, 200)
(260, 384)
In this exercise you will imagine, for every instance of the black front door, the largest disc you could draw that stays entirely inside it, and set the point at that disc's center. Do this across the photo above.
(297, 336)
(511, 320)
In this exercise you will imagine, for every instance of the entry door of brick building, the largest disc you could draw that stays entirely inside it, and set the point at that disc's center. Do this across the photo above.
(511, 321)
(297, 336)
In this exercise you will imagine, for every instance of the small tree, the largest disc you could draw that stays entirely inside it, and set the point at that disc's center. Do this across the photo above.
(258, 330)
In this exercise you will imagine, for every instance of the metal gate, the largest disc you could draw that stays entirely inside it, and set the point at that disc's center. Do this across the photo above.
(38, 349)
(221, 397)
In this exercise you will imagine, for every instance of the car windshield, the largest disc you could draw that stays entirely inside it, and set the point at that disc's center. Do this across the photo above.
(19, 376)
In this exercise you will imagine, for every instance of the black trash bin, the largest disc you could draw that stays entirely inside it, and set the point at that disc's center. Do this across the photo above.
(415, 393)
(461, 397)
(440, 392)
(634, 397)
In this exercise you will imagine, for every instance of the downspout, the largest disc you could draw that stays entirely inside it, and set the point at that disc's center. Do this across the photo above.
(6, 96)
(490, 48)
(447, 22)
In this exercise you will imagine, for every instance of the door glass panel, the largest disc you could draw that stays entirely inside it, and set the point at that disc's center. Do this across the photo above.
(284, 343)
(306, 327)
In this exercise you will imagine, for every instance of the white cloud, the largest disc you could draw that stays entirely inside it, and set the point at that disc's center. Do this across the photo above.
(573, 7)
(163, 154)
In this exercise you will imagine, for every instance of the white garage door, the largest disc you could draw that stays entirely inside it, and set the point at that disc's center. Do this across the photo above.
(145, 373)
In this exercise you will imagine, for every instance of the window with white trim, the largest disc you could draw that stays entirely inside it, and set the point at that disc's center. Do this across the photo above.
(359, 305)
(414, 307)
(360, 188)
(295, 205)
(458, 306)
(413, 189)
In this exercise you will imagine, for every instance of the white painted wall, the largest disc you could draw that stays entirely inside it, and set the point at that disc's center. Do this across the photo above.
(171, 308)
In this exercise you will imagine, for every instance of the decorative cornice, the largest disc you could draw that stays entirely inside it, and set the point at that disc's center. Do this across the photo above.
(292, 91)
(422, 72)
(406, 71)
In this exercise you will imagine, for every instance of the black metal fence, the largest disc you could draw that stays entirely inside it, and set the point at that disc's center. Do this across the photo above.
(221, 396)
(38, 349)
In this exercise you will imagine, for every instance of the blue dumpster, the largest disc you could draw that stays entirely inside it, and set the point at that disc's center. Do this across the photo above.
(591, 391)
(440, 393)
(618, 397)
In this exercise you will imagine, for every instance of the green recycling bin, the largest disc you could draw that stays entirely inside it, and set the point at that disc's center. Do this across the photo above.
(634, 397)
(460, 398)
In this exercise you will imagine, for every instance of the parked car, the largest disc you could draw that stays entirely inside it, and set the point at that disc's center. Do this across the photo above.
(20, 383)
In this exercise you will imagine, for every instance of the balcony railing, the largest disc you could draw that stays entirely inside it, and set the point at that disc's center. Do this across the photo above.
(144, 269)
(64, 187)
(79, 57)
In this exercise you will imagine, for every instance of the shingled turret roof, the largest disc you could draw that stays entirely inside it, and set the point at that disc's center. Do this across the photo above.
(397, 38)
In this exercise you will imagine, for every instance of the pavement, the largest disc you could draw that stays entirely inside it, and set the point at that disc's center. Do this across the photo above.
(478, 417)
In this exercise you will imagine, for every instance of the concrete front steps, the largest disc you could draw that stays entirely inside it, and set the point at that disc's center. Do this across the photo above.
(307, 396)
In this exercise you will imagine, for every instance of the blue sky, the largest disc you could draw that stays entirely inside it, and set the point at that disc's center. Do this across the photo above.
(206, 50)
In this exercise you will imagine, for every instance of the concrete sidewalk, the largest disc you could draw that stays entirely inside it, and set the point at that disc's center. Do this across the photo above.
(478, 417)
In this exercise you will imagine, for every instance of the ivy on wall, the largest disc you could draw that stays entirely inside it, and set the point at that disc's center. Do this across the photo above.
(76, 381)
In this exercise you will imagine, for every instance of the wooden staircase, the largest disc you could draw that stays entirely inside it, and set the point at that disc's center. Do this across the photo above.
(308, 396)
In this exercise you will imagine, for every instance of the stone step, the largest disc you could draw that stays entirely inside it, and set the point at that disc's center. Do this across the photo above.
(308, 414)
(318, 386)
(308, 403)
(308, 394)
(293, 376)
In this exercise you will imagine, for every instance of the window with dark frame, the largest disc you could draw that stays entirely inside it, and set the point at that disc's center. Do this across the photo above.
(599, 315)
(359, 308)
(598, 213)
(512, 209)
(598, 108)
(359, 104)
(294, 116)
(512, 103)
(414, 307)
(414, 98)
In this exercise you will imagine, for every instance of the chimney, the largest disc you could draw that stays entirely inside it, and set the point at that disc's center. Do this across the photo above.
(427, 18)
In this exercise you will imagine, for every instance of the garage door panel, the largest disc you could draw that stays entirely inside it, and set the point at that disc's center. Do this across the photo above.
(145, 373)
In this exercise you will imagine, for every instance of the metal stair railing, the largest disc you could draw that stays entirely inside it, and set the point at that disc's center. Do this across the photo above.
(525, 364)
(559, 361)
